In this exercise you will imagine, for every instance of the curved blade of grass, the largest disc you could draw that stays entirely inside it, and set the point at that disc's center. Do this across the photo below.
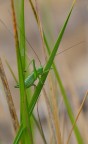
(49, 64)
(47, 67)
(68, 106)
(66, 101)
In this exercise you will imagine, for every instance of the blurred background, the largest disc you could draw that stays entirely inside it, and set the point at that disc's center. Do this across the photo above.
(72, 64)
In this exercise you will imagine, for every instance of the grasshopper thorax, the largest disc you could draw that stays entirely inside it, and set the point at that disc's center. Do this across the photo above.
(40, 70)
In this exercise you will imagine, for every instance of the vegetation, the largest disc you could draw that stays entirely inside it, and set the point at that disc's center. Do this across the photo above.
(28, 97)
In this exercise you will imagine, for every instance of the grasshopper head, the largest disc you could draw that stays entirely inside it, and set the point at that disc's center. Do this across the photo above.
(40, 70)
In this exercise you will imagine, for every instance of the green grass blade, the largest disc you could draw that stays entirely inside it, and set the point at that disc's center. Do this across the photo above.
(22, 32)
(22, 37)
(66, 101)
(48, 65)
(19, 6)
(23, 96)
(68, 106)
(19, 61)
(77, 133)
(20, 132)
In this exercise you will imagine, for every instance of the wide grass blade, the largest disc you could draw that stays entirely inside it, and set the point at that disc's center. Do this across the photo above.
(19, 7)
(24, 119)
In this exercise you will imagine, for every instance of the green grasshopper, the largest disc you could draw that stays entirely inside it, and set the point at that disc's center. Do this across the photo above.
(38, 73)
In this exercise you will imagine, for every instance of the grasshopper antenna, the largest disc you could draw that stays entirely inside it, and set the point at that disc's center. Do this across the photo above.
(33, 50)
(32, 47)
(2, 22)
(70, 47)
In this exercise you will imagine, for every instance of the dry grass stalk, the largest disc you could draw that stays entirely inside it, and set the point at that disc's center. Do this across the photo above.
(37, 16)
(40, 30)
(75, 98)
(79, 111)
(51, 120)
(9, 98)
(55, 111)
(14, 25)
